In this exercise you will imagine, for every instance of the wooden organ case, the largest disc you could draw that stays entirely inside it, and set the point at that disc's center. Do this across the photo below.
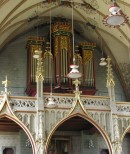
(56, 62)
(86, 66)
(62, 48)
(33, 44)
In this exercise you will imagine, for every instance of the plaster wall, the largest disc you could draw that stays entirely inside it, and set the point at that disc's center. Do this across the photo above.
(82, 142)
(10, 140)
(126, 145)
(23, 140)
(13, 63)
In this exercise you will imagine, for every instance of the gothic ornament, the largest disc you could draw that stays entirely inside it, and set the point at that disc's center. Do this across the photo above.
(116, 16)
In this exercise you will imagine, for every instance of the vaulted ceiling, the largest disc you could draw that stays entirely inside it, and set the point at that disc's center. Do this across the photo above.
(20, 16)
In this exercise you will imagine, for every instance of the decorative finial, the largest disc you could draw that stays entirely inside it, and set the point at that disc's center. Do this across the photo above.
(39, 72)
(5, 83)
(6, 92)
(110, 78)
(77, 92)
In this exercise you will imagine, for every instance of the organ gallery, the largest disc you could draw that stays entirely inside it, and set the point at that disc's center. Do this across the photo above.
(56, 62)
(64, 77)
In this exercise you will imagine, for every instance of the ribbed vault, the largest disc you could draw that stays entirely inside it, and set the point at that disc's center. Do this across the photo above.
(20, 16)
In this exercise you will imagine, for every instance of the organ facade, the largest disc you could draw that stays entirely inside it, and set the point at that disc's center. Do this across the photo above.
(57, 61)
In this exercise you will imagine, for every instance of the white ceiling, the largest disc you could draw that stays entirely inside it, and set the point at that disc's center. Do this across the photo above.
(17, 16)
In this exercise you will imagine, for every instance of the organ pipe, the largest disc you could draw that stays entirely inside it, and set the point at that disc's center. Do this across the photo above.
(87, 50)
(61, 32)
(48, 67)
(78, 61)
(33, 44)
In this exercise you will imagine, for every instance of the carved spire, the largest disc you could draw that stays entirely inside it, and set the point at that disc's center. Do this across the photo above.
(110, 78)
(6, 92)
(5, 83)
(39, 72)
(77, 92)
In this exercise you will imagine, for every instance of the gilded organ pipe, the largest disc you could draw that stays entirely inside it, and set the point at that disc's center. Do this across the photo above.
(48, 67)
(87, 50)
(61, 32)
(33, 44)
(78, 61)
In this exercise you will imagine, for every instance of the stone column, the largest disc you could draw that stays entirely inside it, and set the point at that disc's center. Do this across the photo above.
(117, 145)
(111, 91)
(40, 133)
(40, 124)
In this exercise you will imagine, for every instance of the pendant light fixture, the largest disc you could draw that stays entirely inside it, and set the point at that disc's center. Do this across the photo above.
(102, 60)
(38, 51)
(74, 73)
(51, 103)
(116, 17)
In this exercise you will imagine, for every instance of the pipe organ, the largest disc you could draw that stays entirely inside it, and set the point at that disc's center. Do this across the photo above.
(62, 48)
(56, 62)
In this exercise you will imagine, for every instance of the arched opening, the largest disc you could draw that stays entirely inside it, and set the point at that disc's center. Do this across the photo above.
(14, 137)
(8, 151)
(126, 141)
(77, 135)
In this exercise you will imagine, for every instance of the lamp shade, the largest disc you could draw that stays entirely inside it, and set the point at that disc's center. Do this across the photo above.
(102, 62)
(51, 103)
(114, 9)
(74, 73)
(116, 17)
(115, 20)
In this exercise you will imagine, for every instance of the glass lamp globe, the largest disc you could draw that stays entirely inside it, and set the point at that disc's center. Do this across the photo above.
(74, 73)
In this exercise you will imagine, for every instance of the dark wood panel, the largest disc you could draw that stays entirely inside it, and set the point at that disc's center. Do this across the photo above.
(76, 124)
(8, 125)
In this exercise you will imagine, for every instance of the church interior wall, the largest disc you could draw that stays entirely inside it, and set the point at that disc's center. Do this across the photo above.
(125, 144)
(13, 61)
(57, 116)
(80, 142)
(23, 140)
(9, 140)
(16, 141)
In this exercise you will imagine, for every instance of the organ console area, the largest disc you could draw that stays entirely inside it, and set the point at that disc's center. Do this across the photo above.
(56, 63)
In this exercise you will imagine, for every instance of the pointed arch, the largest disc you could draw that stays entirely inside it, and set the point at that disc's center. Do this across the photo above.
(89, 119)
(17, 121)
(124, 133)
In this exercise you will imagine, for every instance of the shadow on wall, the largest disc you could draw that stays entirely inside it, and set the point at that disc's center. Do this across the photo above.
(104, 151)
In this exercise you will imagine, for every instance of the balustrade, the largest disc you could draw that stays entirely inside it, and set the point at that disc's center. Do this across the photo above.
(123, 108)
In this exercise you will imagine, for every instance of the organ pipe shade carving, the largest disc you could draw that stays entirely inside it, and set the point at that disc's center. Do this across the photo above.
(88, 64)
(62, 46)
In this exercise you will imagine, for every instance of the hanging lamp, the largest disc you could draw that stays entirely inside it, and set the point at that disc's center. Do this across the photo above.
(38, 51)
(102, 60)
(51, 103)
(116, 16)
(74, 73)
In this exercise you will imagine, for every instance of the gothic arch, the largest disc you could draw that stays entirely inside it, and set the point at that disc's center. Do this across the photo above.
(17, 121)
(103, 133)
(124, 133)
